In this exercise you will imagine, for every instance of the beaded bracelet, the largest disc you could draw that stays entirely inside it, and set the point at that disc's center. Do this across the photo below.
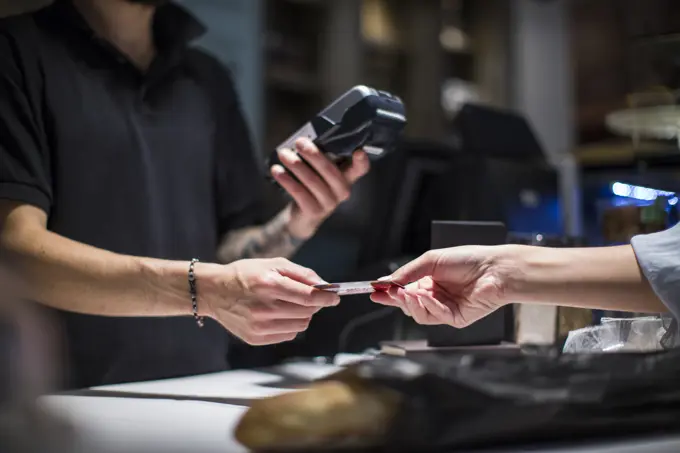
(192, 292)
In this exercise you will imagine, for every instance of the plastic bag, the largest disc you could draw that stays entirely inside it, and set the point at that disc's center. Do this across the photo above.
(644, 334)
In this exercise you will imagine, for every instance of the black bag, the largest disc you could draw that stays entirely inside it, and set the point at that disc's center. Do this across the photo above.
(485, 400)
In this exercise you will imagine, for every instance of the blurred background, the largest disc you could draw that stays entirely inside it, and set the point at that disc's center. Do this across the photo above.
(557, 117)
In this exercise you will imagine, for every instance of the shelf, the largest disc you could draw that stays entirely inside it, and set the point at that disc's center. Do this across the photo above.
(622, 154)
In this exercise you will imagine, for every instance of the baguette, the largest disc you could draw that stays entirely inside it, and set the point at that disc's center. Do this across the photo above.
(334, 413)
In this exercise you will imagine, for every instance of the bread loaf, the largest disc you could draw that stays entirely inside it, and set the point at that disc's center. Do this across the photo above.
(330, 413)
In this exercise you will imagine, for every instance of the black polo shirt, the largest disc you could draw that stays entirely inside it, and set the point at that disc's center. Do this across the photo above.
(156, 163)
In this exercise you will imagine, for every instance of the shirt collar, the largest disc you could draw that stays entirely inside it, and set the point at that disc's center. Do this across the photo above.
(174, 26)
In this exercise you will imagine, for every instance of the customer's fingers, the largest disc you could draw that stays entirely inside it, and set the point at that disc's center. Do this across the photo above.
(437, 309)
(421, 267)
(384, 298)
(416, 309)
(393, 297)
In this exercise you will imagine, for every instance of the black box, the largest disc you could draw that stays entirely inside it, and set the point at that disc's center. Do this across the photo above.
(494, 329)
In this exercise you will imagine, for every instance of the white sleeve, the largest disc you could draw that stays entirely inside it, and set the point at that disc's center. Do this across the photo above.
(659, 257)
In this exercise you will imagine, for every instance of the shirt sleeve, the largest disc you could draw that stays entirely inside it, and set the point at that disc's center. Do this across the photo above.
(24, 156)
(659, 257)
(239, 176)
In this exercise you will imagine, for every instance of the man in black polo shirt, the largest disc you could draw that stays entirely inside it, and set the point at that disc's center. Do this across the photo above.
(123, 155)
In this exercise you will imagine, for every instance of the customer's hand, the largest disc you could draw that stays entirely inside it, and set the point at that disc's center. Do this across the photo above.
(455, 286)
(321, 185)
(262, 301)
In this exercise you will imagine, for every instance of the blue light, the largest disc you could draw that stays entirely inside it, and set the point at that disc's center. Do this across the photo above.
(641, 193)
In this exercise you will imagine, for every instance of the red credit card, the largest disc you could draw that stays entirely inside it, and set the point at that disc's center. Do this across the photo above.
(350, 288)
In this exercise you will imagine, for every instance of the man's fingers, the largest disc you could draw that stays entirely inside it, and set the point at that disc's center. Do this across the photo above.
(299, 273)
(302, 197)
(301, 294)
(308, 178)
(286, 289)
(359, 167)
(278, 326)
(421, 267)
(270, 339)
(330, 173)
(282, 310)
(274, 331)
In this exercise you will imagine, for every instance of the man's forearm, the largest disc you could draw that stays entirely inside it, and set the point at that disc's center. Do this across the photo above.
(272, 240)
(71, 276)
(74, 277)
(606, 278)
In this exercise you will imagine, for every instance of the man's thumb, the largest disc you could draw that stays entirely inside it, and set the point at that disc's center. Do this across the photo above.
(421, 267)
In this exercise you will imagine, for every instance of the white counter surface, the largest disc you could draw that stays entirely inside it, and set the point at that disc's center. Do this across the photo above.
(160, 416)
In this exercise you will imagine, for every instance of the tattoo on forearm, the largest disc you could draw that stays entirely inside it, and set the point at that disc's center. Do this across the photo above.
(271, 240)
